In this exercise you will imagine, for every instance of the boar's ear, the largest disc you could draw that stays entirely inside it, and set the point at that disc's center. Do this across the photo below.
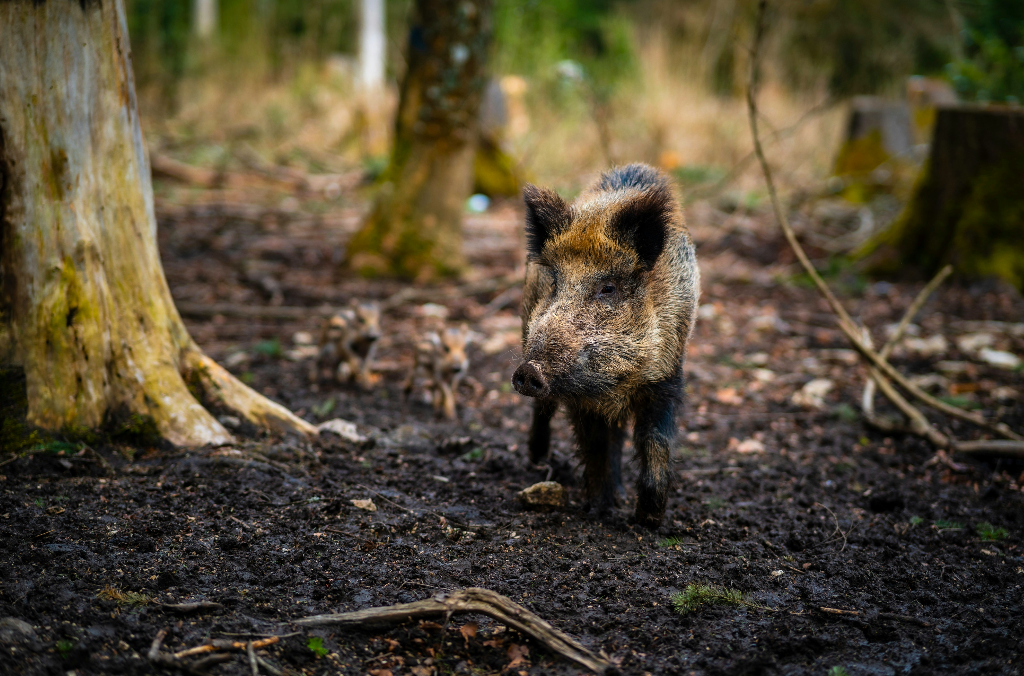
(641, 223)
(546, 215)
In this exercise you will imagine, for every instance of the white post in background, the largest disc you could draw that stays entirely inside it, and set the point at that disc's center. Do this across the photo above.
(371, 46)
(204, 17)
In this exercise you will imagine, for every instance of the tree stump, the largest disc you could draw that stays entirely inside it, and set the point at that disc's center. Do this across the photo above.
(968, 205)
(877, 131)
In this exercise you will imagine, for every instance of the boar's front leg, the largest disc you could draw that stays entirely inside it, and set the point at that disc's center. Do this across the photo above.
(540, 431)
(600, 449)
(653, 433)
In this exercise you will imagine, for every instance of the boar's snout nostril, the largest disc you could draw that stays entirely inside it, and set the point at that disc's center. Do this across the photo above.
(529, 380)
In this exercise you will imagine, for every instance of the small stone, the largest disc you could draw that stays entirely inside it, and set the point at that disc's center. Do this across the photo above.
(543, 495)
(1000, 358)
(812, 395)
(303, 338)
(749, 446)
(366, 505)
(344, 429)
(13, 631)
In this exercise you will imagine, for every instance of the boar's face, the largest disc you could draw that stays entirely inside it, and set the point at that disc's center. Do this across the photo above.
(367, 317)
(592, 323)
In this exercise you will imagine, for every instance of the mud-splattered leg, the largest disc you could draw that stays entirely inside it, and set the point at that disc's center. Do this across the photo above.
(600, 449)
(540, 431)
(653, 433)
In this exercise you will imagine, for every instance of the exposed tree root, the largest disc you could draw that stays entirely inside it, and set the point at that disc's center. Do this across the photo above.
(222, 389)
(471, 600)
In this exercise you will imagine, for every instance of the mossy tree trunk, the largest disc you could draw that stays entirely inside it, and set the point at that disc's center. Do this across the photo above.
(415, 227)
(968, 206)
(85, 309)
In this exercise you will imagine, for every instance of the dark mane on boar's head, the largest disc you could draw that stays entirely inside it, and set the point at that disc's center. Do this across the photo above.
(608, 307)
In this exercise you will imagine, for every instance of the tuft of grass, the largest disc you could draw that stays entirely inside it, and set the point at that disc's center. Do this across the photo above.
(715, 503)
(316, 644)
(670, 542)
(122, 598)
(945, 524)
(838, 671)
(64, 648)
(323, 408)
(960, 401)
(846, 413)
(696, 595)
(987, 531)
(916, 521)
(269, 348)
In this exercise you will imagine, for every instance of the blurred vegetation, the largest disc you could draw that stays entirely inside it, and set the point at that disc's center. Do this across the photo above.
(992, 64)
(865, 46)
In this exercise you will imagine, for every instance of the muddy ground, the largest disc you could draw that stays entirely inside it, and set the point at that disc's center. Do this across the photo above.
(797, 504)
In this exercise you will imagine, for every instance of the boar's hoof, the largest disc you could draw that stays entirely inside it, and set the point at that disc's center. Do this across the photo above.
(529, 380)
(651, 520)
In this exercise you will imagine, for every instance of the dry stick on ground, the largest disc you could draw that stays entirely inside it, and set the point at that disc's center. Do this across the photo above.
(218, 645)
(471, 600)
(252, 659)
(885, 616)
(846, 323)
(919, 425)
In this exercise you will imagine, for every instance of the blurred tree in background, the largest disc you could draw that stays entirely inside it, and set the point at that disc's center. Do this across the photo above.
(415, 227)
(864, 46)
(992, 64)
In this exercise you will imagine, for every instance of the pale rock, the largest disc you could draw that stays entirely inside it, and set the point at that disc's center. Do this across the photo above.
(927, 347)
(343, 428)
(1005, 393)
(366, 505)
(972, 342)
(433, 310)
(758, 358)
(953, 366)
(911, 330)
(13, 630)
(749, 446)
(707, 311)
(302, 353)
(812, 395)
(930, 381)
(543, 495)
(1000, 358)
(763, 375)
(303, 338)
(236, 359)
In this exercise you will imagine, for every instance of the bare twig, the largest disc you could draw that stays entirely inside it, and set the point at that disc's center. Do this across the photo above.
(846, 323)
(471, 600)
(838, 529)
(252, 659)
(220, 645)
(154, 648)
(1003, 447)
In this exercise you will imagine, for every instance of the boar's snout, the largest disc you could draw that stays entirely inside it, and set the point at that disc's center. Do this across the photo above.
(529, 380)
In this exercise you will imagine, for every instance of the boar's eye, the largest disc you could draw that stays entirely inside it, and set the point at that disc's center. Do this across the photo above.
(607, 290)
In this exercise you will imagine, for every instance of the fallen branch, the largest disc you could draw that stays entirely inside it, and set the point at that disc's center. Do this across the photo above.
(471, 600)
(846, 323)
(285, 177)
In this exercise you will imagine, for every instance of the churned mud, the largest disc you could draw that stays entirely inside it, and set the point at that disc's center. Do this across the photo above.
(780, 491)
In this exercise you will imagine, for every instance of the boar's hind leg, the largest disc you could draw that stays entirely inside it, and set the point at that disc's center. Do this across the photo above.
(540, 432)
(600, 449)
(654, 430)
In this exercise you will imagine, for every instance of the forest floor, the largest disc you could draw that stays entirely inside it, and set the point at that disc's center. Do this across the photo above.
(794, 502)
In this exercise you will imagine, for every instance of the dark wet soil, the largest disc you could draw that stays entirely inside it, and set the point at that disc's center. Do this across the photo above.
(800, 508)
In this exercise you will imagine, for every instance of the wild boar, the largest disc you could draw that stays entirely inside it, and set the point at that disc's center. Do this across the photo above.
(442, 359)
(348, 343)
(609, 305)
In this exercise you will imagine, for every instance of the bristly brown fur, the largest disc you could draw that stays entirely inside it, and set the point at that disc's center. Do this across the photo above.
(608, 307)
